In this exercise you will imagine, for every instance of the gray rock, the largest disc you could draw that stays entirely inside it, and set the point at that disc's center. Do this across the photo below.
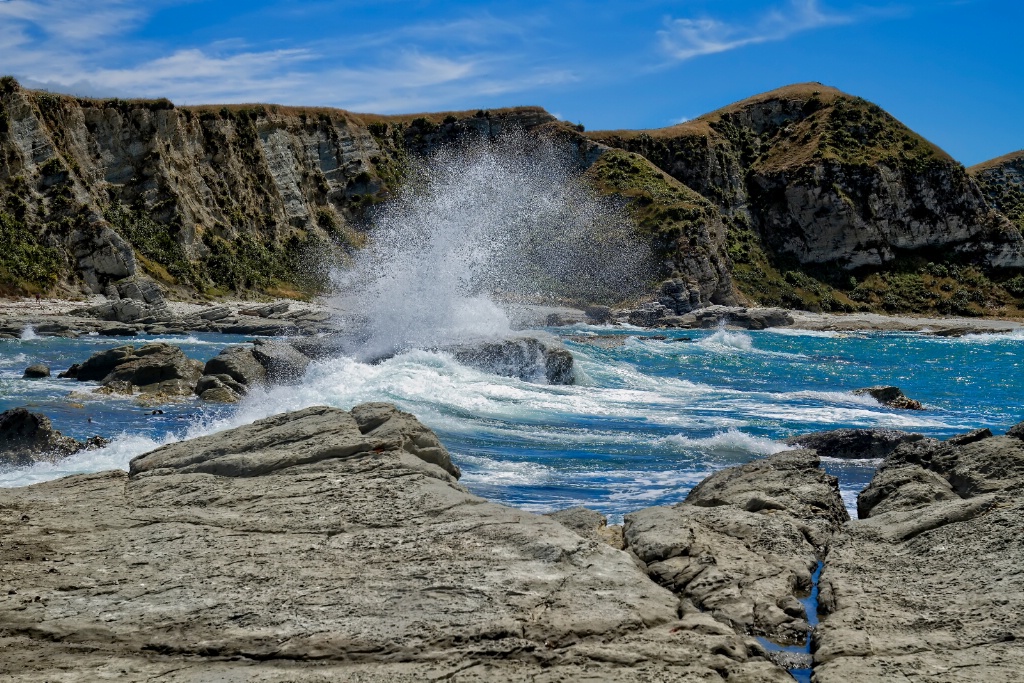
(239, 363)
(745, 542)
(140, 288)
(382, 567)
(216, 313)
(1016, 431)
(282, 361)
(70, 373)
(680, 296)
(27, 438)
(970, 437)
(219, 389)
(103, 256)
(268, 310)
(36, 371)
(890, 396)
(527, 358)
(154, 368)
(590, 524)
(930, 584)
(853, 443)
(598, 314)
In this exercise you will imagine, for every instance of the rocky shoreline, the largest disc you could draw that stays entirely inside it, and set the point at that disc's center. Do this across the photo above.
(285, 317)
(328, 544)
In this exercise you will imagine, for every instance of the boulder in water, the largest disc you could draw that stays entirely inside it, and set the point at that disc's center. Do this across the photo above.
(282, 361)
(219, 389)
(744, 544)
(153, 368)
(239, 363)
(27, 438)
(890, 396)
(36, 371)
(527, 358)
(853, 443)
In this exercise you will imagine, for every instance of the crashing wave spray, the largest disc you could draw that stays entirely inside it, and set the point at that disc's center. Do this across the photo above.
(477, 226)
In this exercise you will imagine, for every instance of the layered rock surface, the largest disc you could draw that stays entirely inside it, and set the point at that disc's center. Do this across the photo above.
(327, 545)
(744, 544)
(928, 587)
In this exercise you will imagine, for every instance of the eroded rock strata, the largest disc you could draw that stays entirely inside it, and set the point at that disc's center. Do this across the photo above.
(325, 545)
(929, 587)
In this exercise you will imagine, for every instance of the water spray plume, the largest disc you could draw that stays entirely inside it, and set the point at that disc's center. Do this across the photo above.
(476, 228)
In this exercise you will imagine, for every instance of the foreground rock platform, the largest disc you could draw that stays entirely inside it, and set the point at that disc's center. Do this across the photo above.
(327, 545)
(930, 586)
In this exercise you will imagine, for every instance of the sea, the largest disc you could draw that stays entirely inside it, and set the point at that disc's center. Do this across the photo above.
(651, 414)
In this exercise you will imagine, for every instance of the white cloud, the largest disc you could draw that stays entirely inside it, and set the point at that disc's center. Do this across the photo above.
(92, 50)
(681, 119)
(684, 39)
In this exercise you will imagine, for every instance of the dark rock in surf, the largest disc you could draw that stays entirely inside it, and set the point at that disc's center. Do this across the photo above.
(36, 371)
(527, 358)
(282, 361)
(239, 363)
(154, 368)
(27, 438)
(70, 373)
(970, 437)
(853, 443)
(1016, 431)
(890, 396)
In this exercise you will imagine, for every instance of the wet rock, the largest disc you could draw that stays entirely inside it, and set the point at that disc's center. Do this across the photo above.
(745, 542)
(930, 582)
(116, 387)
(590, 524)
(527, 358)
(383, 569)
(853, 443)
(969, 437)
(219, 389)
(239, 363)
(36, 371)
(680, 296)
(890, 396)
(747, 318)
(27, 438)
(282, 361)
(153, 368)
(598, 314)
(70, 373)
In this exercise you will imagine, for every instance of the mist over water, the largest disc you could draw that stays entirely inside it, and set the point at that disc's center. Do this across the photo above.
(479, 227)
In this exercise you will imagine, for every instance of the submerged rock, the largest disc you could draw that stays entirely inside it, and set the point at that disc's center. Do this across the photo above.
(853, 443)
(930, 581)
(27, 438)
(890, 396)
(382, 568)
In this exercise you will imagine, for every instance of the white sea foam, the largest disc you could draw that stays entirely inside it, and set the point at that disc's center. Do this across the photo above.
(28, 333)
(115, 456)
(731, 441)
(797, 332)
(1013, 336)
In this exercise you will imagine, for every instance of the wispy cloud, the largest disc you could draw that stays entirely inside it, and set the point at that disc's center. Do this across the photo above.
(93, 51)
(687, 38)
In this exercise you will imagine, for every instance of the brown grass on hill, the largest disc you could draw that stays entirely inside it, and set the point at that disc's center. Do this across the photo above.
(998, 161)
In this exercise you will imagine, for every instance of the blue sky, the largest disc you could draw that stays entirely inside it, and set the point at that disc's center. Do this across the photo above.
(950, 69)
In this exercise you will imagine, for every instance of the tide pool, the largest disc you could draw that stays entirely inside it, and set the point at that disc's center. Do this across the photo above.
(648, 419)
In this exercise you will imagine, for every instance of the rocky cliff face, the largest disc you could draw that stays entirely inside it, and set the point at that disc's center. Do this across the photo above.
(200, 198)
(812, 179)
(1002, 182)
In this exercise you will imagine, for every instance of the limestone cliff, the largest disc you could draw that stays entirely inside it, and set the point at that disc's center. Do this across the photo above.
(814, 183)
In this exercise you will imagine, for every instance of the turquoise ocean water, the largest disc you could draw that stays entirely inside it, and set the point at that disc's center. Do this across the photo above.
(647, 420)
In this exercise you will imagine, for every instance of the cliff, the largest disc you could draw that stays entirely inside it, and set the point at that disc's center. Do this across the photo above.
(1002, 182)
(823, 190)
(803, 197)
